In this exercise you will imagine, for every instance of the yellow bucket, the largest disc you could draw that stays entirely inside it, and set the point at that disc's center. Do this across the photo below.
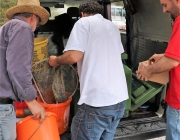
(40, 49)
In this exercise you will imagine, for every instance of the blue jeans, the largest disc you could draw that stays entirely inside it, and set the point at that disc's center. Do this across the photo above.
(96, 123)
(7, 122)
(172, 124)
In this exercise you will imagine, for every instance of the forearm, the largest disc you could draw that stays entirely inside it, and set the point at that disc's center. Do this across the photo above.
(69, 57)
(161, 54)
(65, 59)
(156, 57)
(164, 64)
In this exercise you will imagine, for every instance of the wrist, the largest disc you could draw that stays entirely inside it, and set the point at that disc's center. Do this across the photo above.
(28, 101)
(57, 60)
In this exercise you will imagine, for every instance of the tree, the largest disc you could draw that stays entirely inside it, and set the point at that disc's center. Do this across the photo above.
(4, 5)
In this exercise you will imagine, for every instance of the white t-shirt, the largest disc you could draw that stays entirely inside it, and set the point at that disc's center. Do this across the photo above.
(101, 73)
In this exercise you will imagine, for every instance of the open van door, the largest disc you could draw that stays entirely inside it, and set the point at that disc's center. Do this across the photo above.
(147, 32)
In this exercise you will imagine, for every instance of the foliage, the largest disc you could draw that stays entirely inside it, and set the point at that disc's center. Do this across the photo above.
(4, 5)
(119, 3)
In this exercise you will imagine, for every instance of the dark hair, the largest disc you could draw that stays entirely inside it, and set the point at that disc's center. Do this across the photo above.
(91, 7)
(23, 14)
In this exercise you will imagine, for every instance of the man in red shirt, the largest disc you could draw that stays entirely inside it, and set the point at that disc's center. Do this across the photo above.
(169, 61)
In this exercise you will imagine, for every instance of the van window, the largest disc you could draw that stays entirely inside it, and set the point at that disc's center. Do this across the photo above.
(123, 13)
(58, 11)
(118, 15)
(112, 11)
(119, 12)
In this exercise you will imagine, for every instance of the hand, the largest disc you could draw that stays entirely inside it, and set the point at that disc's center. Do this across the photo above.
(53, 61)
(36, 109)
(143, 73)
(155, 58)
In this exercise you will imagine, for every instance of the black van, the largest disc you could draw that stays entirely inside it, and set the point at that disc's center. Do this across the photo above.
(147, 32)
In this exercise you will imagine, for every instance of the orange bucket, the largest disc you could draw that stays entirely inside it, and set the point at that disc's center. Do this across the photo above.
(62, 111)
(31, 129)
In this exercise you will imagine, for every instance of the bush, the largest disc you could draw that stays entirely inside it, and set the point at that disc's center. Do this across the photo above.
(4, 5)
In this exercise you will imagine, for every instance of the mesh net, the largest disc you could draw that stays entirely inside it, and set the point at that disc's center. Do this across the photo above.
(54, 84)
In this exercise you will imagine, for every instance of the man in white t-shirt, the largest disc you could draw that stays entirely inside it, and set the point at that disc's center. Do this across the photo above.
(95, 44)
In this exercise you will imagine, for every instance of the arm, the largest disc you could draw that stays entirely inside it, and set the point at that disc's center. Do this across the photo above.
(155, 57)
(19, 64)
(36, 109)
(164, 64)
(69, 57)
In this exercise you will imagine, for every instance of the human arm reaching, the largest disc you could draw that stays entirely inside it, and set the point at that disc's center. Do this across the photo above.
(69, 57)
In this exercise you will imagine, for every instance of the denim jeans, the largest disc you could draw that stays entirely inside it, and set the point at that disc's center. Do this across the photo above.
(7, 122)
(96, 123)
(172, 124)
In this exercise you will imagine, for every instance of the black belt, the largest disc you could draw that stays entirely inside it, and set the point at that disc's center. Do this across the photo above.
(6, 101)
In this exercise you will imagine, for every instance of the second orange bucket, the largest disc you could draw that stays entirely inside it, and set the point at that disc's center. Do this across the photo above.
(62, 110)
(31, 129)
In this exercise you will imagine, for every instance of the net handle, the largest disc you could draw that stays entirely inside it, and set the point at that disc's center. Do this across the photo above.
(77, 81)
(38, 89)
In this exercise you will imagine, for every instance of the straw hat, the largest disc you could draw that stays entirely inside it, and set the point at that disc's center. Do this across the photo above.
(29, 6)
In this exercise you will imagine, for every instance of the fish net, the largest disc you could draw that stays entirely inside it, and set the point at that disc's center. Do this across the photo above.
(54, 85)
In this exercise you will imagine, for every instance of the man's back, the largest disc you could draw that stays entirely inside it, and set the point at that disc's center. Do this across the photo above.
(95, 44)
(100, 71)
(16, 38)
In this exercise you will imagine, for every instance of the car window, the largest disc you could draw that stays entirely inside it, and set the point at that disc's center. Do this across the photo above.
(118, 11)
(112, 11)
(123, 13)
(118, 15)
